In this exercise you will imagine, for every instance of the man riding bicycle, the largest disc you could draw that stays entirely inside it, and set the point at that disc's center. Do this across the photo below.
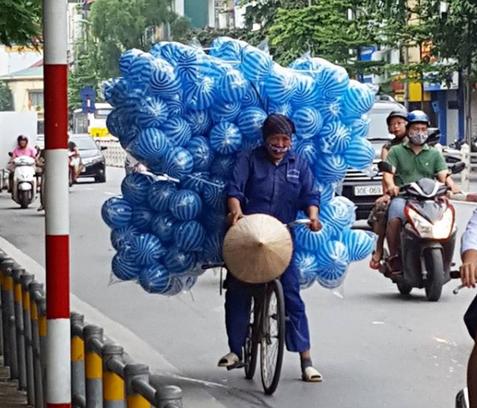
(410, 162)
(273, 180)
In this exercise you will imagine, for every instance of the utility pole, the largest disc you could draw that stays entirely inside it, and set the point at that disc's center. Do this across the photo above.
(58, 355)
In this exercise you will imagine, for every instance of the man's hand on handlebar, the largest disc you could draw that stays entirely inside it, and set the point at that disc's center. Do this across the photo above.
(233, 217)
(315, 224)
(393, 191)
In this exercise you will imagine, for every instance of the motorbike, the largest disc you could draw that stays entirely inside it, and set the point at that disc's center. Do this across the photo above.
(24, 181)
(74, 166)
(428, 237)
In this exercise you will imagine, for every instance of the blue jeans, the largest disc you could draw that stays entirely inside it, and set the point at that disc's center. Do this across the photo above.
(396, 209)
(238, 300)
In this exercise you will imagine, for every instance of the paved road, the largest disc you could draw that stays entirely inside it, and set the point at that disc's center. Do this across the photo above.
(374, 348)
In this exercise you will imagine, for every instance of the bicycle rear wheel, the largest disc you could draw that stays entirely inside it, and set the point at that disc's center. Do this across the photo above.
(273, 336)
(251, 343)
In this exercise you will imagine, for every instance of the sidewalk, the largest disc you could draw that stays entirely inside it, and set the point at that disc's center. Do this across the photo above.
(10, 397)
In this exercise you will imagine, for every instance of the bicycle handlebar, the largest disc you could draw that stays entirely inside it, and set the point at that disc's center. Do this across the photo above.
(213, 265)
(303, 221)
(456, 275)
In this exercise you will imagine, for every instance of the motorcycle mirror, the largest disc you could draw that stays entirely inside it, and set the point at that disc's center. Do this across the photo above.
(457, 167)
(434, 137)
(10, 154)
(385, 167)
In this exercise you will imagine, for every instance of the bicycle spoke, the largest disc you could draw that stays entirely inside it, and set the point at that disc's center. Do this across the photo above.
(270, 341)
(272, 336)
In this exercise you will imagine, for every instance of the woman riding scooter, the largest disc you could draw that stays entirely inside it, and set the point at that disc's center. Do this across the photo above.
(22, 149)
(74, 162)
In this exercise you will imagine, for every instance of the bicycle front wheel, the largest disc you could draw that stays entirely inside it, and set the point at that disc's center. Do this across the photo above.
(251, 343)
(273, 336)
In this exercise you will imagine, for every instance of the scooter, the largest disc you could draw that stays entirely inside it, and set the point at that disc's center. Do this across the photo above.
(24, 181)
(427, 238)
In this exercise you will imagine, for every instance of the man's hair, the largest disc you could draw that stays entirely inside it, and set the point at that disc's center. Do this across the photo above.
(277, 124)
(22, 137)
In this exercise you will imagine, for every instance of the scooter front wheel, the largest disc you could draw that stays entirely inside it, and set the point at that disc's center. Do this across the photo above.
(24, 199)
(404, 288)
(435, 274)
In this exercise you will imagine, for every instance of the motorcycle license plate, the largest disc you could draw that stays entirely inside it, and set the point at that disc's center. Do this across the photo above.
(368, 190)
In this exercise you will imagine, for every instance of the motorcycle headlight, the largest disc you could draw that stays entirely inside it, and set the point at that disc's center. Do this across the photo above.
(92, 160)
(440, 230)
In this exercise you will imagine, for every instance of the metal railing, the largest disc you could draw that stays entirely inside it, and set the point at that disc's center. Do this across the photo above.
(102, 374)
(114, 154)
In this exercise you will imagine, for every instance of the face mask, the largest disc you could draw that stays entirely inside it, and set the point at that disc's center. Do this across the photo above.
(277, 149)
(418, 138)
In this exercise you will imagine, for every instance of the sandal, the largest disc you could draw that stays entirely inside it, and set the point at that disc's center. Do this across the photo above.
(229, 361)
(393, 266)
(375, 262)
(311, 374)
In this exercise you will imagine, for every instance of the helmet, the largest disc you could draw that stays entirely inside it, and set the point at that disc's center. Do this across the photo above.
(398, 113)
(417, 116)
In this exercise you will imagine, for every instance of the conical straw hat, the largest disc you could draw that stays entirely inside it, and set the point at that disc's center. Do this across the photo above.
(257, 249)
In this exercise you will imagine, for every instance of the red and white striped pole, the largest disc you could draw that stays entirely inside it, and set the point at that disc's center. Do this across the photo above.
(58, 391)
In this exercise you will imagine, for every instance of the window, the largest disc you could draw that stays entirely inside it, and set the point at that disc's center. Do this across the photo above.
(36, 99)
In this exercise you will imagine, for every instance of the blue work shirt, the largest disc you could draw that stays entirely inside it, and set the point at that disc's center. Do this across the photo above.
(279, 190)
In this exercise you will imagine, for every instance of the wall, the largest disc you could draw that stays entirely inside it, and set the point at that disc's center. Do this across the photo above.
(20, 92)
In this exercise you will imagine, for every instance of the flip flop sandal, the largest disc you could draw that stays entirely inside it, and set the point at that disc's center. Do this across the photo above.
(373, 263)
(229, 361)
(393, 266)
(311, 374)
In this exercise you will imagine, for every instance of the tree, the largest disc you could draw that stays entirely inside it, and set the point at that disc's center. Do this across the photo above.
(20, 22)
(87, 71)
(324, 29)
(119, 25)
(454, 37)
(6, 98)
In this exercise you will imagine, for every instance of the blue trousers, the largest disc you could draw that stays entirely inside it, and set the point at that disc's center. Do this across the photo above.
(238, 298)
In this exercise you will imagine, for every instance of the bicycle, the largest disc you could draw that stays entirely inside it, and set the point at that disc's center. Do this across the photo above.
(267, 329)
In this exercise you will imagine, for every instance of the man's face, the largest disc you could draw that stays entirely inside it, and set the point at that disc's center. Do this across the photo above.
(278, 145)
(418, 133)
(397, 127)
(417, 128)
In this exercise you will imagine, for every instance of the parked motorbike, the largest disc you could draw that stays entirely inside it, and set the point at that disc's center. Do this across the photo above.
(24, 181)
(427, 238)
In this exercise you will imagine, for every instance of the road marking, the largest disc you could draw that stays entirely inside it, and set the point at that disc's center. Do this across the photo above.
(138, 349)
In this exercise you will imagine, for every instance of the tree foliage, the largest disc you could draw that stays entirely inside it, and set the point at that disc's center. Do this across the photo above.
(20, 22)
(119, 25)
(323, 29)
(454, 35)
(87, 71)
(6, 98)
